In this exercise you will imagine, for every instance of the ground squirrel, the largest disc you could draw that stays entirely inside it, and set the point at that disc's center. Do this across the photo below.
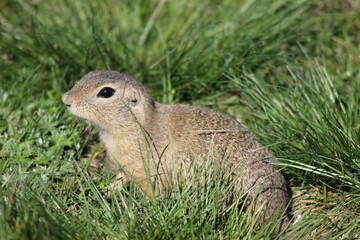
(134, 128)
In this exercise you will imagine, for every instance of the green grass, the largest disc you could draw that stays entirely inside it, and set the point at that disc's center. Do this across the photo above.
(288, 70)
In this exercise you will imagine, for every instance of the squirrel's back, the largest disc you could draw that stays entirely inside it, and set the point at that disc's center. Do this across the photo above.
(197, 130)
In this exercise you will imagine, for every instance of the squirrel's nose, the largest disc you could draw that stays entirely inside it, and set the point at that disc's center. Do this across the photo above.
(65, 99)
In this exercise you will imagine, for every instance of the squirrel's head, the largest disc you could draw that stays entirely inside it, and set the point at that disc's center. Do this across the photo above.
(109, 100)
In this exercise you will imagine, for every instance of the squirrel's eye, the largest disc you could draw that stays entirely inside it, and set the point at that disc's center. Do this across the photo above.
(106, 92)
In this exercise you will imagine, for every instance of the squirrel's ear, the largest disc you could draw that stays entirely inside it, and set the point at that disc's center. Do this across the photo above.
(135, 97)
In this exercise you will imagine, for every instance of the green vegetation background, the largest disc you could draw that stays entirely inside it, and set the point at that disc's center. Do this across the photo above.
(288, 70)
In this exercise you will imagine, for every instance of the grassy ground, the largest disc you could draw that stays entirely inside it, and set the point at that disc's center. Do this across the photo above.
(288, 70)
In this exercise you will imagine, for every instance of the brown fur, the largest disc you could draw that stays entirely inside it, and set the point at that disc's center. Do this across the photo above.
(149, 132)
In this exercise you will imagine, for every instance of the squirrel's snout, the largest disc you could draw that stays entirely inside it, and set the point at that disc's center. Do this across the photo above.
(65, 99)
